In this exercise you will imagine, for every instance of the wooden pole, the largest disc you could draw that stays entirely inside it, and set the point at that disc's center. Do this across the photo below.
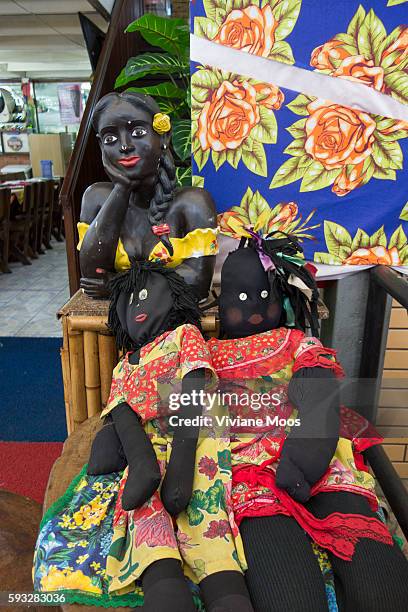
(78, 394)
(92, 377)
(108, 358)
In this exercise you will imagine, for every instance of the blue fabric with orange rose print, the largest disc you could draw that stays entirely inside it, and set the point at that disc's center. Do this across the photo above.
(333, 174)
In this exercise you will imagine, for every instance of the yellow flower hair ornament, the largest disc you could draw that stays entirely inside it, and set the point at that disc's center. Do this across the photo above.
(161, 123)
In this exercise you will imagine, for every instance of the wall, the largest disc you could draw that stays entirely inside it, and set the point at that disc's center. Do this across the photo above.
(180, 8)
(392, 418)
(20, 159)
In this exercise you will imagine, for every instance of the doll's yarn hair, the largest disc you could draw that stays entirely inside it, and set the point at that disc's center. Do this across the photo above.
(166, 184)
(184, 310)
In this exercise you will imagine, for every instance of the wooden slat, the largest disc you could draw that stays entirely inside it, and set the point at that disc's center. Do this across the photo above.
(397, 339)
(396, 379)
(393, 417)
(395, 452)
(394, 398)
(397, 359)
(396, 304)
(402, 469)
(399, 318)
(389, 432)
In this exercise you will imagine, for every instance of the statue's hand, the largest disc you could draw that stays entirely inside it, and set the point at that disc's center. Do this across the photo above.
(118, 176)
(97, 288)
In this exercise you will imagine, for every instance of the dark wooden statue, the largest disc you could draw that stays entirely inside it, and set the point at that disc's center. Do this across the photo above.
(140, 213)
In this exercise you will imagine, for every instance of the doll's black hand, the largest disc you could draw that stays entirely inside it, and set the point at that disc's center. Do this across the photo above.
(106, 453)
(97, 288)
(177, 484)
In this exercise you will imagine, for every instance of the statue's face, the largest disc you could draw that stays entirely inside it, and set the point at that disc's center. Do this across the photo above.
(248, 303)
(143, 313)
(128, 140)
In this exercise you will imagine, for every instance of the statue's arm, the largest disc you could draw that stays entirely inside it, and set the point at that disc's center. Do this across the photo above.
(198, 210)
(103, 209)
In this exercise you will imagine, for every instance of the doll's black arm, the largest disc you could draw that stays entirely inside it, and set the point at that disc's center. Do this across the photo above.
(309, 448)
(178, 482)
(107, 454)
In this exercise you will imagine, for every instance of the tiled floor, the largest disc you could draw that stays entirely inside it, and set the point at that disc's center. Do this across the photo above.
(31, 296)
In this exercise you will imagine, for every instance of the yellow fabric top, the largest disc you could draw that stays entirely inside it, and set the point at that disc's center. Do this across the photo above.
(197, 243)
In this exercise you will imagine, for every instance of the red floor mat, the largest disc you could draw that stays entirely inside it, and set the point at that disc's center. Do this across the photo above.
(25, 467)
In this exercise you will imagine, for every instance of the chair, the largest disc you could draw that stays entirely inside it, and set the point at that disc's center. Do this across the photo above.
(5, 198)
(58, 214)
(38, 225)
(49, 200)
(13, 176)
(21, 227)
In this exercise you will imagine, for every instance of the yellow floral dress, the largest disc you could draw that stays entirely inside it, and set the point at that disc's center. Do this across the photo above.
(197, 243)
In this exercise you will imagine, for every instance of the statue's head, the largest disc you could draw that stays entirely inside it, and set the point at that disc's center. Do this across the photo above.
(148, 300)
(265, 285)
(132, 133)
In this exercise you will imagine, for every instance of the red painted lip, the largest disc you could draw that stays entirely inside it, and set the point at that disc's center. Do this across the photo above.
(255, 319)
(128, 162)
(141, 317)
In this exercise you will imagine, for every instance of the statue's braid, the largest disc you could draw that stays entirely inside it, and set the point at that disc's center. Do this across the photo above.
(164, 191)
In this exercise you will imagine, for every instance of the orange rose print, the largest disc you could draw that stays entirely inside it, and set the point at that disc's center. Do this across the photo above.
(228, 117)
(356, 68)
(274, 97)
(250, 30)
(401, 44)
(374, 255)
(337, 135)
(285, 216)
(346, 182)
(322, 55)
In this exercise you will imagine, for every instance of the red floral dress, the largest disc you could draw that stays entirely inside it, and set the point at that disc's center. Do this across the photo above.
(266, 361)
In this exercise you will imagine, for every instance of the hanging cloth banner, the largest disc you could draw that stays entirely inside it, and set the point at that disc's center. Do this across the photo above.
(307, 133)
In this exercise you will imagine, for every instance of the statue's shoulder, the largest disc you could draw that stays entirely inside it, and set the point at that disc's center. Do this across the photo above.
(195, 204)
(92, 200)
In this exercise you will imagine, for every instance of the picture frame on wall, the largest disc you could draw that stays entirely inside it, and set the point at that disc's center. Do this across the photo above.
(15, 142)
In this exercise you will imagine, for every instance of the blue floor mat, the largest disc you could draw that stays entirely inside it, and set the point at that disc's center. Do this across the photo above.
(31, 390)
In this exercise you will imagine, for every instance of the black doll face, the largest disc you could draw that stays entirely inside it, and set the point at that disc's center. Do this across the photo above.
(248, 304)
(128, 140)
(143, 312)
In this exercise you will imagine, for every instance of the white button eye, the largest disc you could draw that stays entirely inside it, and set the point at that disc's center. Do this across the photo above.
(243, 297)
(142, 294)
(264, 293)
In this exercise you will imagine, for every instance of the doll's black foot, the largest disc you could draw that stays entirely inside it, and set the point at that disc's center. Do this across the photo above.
(226, 592)
(165, 588)
(142, 481)
(106, 453)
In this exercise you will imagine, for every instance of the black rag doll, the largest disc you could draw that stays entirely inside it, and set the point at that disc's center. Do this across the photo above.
(308, 483)
(155, 318)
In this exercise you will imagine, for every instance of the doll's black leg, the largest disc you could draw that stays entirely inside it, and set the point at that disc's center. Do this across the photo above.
(144, 473)
(226, 592)
(165, 588)
(283, 573)
(106, 453)
(376, 579)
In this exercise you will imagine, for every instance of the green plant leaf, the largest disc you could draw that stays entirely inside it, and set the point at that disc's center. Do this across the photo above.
(163, 90)
(297, 129)
(201, 157)
(234, 157)
(266, 130)
(403, 255)
(348, 40)
(385, 174)
(218, 158)
(257, 205)
(392, 137)
(168, 34)
(299, 105)
(290, 171)
(327, 258)
(286, 13)
(183, 176)
(389, 40)
(371, 34)
(336, 236)
(198, 181)
(151, 63)
(282, 52)
(360, 240)
(395, 2)
(356, 22)
(398, 83)
(398, 239)
(387, 154)
(203, 83)
(254, 158)
(404, 213)
(317, 177)
(378, 238)
(181, 138)
(296, 147)
(205, 28)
